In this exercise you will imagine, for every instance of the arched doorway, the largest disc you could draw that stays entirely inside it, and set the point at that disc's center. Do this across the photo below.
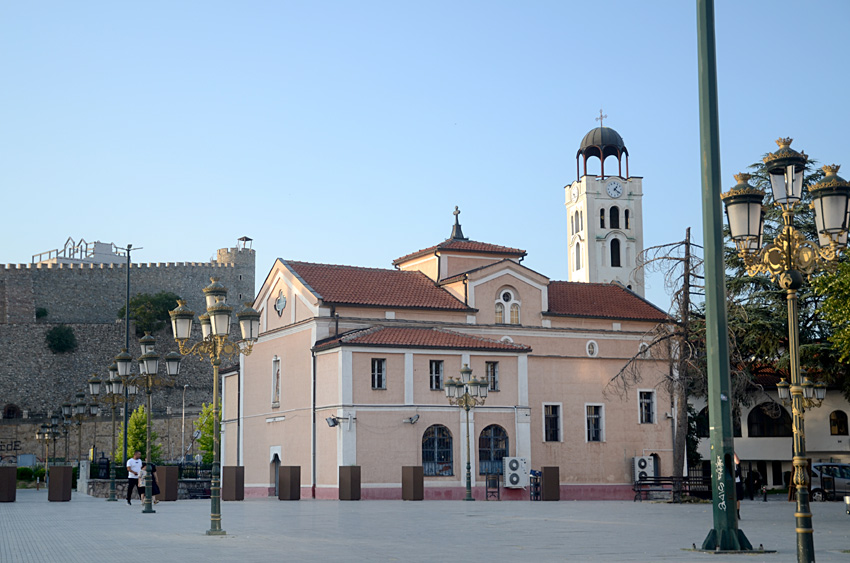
(274, 474)
(492, 447)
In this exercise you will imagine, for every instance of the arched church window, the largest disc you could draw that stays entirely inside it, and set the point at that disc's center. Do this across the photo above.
(572, 226)
(626, 218)
(515, 314)
(581, 220)
(578, 256)
(437, 451)
(492, 447)
(12, 411)
(615, 253)
(602, 218)
(578, 225)
(838, 423)
(769, 420)
(614, 221)
(500, 313)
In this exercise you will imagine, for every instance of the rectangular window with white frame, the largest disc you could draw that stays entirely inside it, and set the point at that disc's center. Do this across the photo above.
(646, 406)
(552, 424)
(379, 373)
(491, 370)
(436, 373)
(595, 417)
(275, 382)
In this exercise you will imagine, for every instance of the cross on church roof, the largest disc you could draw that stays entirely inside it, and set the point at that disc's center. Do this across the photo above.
(601, 117)
(457, 233)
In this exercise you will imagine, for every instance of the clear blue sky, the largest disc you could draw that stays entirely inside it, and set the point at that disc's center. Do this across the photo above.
(346, 132)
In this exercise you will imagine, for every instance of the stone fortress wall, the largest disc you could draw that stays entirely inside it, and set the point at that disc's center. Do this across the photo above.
(87, 297)
(94, 293)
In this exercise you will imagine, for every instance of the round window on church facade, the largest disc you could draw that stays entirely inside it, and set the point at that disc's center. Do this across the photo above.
(506, 297)
(592, 348)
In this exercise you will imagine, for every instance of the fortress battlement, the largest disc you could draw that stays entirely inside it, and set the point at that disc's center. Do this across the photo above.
(86, 282)
(63, 266)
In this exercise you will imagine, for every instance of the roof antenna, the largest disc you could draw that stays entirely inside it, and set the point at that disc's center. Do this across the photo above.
(457, 233)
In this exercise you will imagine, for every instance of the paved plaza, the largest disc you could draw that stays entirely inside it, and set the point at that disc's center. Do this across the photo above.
(91, 529)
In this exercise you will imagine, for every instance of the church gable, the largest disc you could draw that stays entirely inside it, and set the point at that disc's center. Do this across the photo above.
(284, 299)
(507, 293)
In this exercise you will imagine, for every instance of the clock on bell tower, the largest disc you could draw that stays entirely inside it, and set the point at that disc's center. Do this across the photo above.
(604, 216)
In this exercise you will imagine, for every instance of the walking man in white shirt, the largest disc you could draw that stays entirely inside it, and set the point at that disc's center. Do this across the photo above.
(134, 467)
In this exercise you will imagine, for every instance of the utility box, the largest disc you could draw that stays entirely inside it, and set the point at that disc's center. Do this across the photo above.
(349, 482)
(412, 482)
(289, 482)
(8, 483)
(551, 483)
(59, 484)
(168, 478)
(233, 482)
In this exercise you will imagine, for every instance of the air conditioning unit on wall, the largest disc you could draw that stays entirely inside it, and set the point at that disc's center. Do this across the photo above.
(644, 466)
(516, 472)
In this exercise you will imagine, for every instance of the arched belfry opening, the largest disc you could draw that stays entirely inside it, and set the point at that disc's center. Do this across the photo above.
(601, 143)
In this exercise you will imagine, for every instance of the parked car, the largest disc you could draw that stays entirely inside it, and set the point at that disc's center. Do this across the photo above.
(830, 481)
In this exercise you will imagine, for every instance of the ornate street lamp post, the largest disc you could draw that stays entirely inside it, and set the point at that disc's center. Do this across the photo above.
(148, 368)
(786, 259)
(467, 393)
(79, 413)
(113, 396)
(54, 431)
(215, 331)
(65, 424)
(43, 435)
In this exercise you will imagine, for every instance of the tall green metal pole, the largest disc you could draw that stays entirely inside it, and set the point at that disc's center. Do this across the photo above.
(725, 535)
(215, 480)
(127, 347)
(805, 542)
(148, 509)
(112, 461)
(466, 407)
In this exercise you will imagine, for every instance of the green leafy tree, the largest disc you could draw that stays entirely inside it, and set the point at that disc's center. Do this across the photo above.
(150, 312)
(137, 438)
(61, 339)
(835, 308)
(694, 456)
(204, 424)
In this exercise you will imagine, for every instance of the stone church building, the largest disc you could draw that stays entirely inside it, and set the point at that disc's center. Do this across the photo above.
(351, 362)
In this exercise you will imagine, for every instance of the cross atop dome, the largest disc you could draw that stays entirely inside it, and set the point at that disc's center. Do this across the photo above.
(601, 117)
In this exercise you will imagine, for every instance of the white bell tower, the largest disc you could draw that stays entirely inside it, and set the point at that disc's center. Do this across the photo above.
(605, 216)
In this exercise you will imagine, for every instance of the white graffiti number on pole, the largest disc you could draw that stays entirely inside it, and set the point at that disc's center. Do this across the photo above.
(721, 487)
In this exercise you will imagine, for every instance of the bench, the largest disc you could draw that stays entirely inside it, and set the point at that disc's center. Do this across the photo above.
(693, 485)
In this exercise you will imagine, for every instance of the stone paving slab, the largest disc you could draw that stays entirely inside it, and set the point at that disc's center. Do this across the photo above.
(91, 529)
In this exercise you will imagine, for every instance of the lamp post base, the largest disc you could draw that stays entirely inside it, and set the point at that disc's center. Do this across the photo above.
(469, 499)
(729, 541)
(216, 533)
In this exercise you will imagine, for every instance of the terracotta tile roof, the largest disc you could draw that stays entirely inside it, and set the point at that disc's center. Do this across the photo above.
(462, 275)
(456, 245)
(404, 337)
(600, 300)
(373, 287)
